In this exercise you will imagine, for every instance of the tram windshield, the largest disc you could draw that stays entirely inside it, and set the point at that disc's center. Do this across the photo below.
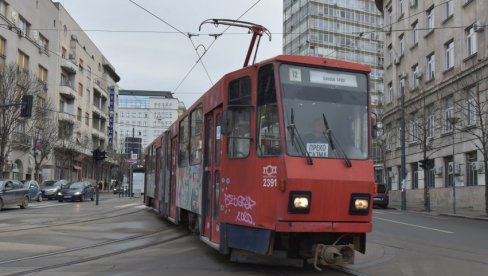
(325, 112)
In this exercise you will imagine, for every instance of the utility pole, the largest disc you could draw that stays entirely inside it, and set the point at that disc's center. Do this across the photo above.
(403, 182)
(98, 155)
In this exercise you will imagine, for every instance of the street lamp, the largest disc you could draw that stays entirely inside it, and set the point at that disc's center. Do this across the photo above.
(453, 121)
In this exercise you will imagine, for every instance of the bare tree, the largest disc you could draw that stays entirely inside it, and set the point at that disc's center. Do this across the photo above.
(14, 83)
(420, 131)
(472, 103)
(44, 132)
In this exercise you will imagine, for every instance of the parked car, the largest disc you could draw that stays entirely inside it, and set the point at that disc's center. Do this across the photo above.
(50, 188)
(76, 190)
(380, 197)
(35, 190)
(13, 192)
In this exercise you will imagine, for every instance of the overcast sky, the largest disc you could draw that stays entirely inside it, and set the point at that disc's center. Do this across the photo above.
(160, 61)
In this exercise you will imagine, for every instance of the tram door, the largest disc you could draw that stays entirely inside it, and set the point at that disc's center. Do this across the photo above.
(172, 181)
(211, 179)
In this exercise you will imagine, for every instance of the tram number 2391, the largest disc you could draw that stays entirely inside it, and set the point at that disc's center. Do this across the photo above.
(270, 182)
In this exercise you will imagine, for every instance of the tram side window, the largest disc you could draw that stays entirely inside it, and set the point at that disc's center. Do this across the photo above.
(269, 141)
(196, 124)
(183, 143)
(240, 102)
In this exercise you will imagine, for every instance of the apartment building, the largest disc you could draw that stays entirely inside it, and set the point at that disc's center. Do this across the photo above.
(144, 115)
(340, 29)
(41, 37)
(435, 60)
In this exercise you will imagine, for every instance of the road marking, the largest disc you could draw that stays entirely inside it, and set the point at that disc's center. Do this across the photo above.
(415, 225)
(45, 206)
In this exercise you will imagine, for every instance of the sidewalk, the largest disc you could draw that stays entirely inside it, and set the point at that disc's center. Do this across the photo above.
(468, 213)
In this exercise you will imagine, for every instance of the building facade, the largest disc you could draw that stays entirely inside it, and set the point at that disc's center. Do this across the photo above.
(145, 115)
(340, 29)
(41, 37)
(436, 62)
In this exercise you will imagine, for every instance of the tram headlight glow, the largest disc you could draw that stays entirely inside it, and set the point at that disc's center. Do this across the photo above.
(299, 202)
(359, 204)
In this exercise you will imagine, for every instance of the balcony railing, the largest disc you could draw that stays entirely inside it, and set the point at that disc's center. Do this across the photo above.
(66, 117)
(69, 66)
(65, 89)
(21, 139)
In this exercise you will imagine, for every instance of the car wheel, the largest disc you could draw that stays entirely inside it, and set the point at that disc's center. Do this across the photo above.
(25, 203)
(60, 200)
(82, 197)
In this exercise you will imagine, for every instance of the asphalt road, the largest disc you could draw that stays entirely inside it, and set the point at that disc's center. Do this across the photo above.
(123, 237)
(409, 243)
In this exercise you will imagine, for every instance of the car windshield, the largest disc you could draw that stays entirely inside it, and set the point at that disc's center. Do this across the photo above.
(321, 105)
(74, 185)
(48, 183)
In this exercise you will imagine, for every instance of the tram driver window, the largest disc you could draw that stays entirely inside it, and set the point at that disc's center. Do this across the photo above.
(269, 141)
(240, 102)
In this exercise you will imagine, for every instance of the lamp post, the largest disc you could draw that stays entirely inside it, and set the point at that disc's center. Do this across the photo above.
(453, 121)
(403, 161)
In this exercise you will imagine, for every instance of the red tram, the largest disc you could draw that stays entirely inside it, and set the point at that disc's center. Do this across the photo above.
(243, 168)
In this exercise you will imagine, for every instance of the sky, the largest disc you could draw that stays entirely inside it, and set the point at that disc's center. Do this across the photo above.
(146, 43)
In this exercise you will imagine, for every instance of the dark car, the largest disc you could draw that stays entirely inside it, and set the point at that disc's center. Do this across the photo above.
(380, 197)
(35, 190)
(76, 190)
(50, 188)
(13, 192)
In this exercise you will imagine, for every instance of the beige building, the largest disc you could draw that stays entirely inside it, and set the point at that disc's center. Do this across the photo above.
(79, 81)
(436, 57)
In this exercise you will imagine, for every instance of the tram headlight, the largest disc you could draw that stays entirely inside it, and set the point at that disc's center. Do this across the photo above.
(359, 204)
(299, 202)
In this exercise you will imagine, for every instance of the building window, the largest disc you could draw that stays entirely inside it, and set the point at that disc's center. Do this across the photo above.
(42, 74)
(431, 66)
(449, 8)
(401, 7)
(23, 26)
(449, 54)
(471, 100)
(430, 19)
(415, 33)
(471, 41)
(3, 44)
(87, 119)
(413, 128)
(448, 107)
(430, 121)
(388, 137)
(390, 93)
(415, 76)
(390, 54)
(23, 60)
(472, 168)
(415, 175)
(401, 41)
(80, 89)
(80, 112)
(43, 42)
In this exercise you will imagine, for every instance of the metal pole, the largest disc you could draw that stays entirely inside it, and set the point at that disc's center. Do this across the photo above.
(98, 179)
(403, 158)
(453, 175)
(453, 120)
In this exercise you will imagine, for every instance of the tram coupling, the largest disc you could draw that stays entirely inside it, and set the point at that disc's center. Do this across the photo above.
(331, 255)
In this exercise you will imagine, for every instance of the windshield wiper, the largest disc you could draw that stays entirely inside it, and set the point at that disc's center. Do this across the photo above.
(301, 148)
(331, 137)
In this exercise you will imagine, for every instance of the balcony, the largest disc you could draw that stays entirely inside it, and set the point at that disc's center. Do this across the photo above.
(98, 86)
(99, 134)
(68, 66)
(66, 117)
(21, 141)
(67, 91)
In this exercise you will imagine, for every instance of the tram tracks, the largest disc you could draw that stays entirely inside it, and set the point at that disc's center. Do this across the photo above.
(18, 228)
(112, 249)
